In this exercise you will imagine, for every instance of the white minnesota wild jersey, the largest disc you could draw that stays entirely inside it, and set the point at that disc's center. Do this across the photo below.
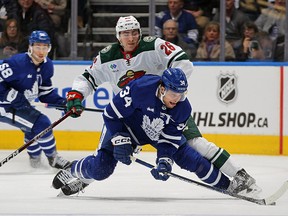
(152, 56)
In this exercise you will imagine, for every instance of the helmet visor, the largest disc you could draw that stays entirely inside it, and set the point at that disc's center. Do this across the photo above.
(175, 95)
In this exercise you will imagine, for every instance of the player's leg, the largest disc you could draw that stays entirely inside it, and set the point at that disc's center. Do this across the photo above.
(216, 155)
(84, 171)
(46, 143)
(189, 159)
(32, 122)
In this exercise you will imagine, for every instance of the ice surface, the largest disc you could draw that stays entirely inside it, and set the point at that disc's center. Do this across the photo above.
(131, 190)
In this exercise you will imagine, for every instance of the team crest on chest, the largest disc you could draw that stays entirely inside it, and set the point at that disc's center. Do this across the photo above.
(130, 75)
(152, 127)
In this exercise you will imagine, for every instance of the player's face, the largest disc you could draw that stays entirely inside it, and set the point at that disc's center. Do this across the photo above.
(39, 52)
(129, 39)
(171, 98)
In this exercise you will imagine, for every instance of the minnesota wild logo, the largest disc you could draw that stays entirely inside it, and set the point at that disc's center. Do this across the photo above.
(130, 75)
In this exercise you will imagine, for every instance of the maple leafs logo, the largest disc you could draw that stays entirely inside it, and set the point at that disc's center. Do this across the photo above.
(152, 128)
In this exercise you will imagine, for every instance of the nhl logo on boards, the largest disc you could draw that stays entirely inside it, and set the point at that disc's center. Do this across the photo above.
(227, 88)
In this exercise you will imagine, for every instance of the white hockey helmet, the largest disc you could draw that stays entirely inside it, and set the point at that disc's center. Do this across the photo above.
(127, 23)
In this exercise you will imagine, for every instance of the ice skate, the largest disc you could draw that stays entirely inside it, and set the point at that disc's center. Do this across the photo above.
(63, 177)
(244, 184)
(35, 162)
(57, 161)
(73, 187)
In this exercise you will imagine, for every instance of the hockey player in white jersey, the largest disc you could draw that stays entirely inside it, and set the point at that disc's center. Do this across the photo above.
(151, 109)
(23, 78)
(131, 58)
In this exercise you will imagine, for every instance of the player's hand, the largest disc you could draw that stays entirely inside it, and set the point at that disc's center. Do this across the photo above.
(164, 167)
(122, 148)
(18, 100)
(74, 103)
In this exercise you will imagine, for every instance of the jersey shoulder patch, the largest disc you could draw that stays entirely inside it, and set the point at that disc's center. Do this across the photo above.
(106, 49)
(110, 53)
(149, 38)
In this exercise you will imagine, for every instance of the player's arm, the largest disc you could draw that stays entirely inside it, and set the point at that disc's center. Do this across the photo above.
(10, 97)
(173, 56)
(82, 87)
(170, 140)
(120, 107)
(47, 93)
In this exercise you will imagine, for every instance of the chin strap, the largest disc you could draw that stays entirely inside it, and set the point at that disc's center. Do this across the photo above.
(160, 95)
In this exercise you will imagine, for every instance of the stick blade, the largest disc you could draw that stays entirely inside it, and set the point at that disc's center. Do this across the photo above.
(279, 193)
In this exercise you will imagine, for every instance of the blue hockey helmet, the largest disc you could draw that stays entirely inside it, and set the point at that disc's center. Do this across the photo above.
(39, 37)
(175, 80)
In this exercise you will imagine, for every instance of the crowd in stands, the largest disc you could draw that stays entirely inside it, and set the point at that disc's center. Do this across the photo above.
(255, 30)
(18, 18)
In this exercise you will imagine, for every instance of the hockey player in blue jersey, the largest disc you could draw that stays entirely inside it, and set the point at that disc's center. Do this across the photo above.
(151, 109)
(23, 78)
(132, 57)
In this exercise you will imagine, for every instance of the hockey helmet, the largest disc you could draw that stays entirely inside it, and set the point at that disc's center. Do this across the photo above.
(127, 23)
(39, 37)
(175, 80)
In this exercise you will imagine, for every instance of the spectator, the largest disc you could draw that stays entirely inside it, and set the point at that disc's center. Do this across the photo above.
(11, 39)
(170, 33)
(8, 9)
(249, 48)
(81, 19)
(56, 10)
(235, 20)
(209, 48)
(32, 17)
(252, 8)
(200, 10)
(272, 20)
(188, 28)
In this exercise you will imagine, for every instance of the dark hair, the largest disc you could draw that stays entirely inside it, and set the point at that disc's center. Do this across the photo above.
(5, 37)
(250, 25)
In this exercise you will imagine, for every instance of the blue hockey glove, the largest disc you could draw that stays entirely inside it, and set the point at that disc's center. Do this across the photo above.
(164, 166)
(18, 101)
(74, 103)
(122, 148)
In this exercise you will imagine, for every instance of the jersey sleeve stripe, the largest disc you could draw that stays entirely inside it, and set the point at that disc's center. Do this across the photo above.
(166, 141)
(114, 108)
(45, 92)
(90, 79)
(132, 134)
(171, 137)
(174, 57)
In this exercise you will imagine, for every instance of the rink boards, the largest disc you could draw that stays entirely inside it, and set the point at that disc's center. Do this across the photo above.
(241, 107)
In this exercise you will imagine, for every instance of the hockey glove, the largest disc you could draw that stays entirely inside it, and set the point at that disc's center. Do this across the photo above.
(74, 103)
(122, 148)
(164, 167)
(18, 101)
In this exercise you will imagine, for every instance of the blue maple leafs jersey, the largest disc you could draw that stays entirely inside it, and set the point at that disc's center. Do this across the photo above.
(148, 120)
(21, 74)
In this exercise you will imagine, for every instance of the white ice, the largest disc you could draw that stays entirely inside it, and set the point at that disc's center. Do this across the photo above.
(131, 190)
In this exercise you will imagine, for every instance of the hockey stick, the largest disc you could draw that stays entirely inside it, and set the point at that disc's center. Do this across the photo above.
(264, 201)
(59, 107)
(38, 136)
